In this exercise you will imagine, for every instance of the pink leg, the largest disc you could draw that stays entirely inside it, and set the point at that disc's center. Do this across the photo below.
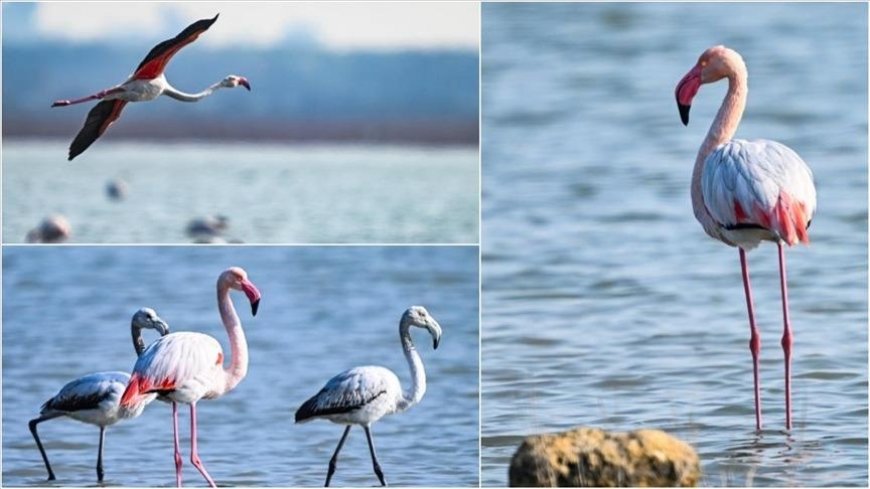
(754, 338)
(178, 460)
(194, 453)
(97, 96)
(786, 335)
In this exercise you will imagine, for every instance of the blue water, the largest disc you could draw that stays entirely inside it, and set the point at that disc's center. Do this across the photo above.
(604, 304)
(66, 312)
(271, 193)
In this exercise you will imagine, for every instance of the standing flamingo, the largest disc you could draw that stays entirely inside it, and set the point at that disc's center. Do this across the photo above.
(744, 192)
(146, 83)
(94, 398)
(186, 367)
(363, 395)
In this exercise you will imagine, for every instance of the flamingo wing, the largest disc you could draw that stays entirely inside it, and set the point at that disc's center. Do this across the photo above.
(174, 361)
(86, 392)
(348, 391)
(759, 184)
(156, 59)
(99, 118)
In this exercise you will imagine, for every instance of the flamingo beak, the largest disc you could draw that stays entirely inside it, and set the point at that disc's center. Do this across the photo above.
(253, 296)
(435, 330)
(686, 91)
(244, 82)
(161, 327)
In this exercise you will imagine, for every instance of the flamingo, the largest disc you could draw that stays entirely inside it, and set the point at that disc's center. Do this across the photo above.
(53, 229)
(363, 395)
(186, 367)
(94, 398)
(745, 192)
(146, 83)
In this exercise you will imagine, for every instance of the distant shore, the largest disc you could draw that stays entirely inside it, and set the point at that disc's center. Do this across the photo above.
(430, 132)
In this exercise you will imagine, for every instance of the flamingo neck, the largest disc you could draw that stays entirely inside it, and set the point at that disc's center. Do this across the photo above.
(722, 129)
(415, 364)
(238, 344)
(190, 97)
(138, 342)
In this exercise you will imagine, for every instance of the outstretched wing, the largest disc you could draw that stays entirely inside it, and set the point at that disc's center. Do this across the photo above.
(99, 118)
(760, 184)
(155, 62)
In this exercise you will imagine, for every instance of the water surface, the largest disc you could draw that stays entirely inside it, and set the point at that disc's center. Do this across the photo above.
(271, 193)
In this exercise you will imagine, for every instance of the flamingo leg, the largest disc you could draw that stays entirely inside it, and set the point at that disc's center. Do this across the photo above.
(754, 338)
(786, 335)
(194, 453)
(375, 463)
(32, 424)
(100, 454)
(97, 96)
(334, 458)
(178, 460)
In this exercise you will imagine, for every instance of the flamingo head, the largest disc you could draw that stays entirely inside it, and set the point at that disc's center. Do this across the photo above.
(418, 316)
(233, 81)
(236, 278)
(146, 318)
(714, 64)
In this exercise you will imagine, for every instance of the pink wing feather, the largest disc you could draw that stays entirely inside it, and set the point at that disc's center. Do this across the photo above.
(759, 183)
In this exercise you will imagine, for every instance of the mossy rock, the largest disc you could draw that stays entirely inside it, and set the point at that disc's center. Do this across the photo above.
(591, 457)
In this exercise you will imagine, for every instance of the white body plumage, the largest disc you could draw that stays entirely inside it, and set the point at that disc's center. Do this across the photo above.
(762, 182)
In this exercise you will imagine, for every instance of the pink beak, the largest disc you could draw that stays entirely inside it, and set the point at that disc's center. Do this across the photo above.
(686, 91)
(244, 82)
(253, 295)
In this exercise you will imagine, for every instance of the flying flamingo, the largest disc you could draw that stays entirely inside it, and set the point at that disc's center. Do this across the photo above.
(146, 83)
(363, 395)
(186, 367)
(745, 192)
(94, 398)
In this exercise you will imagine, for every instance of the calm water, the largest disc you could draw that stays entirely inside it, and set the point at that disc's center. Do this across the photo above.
(604, 302)
(67, 312)
(271, 193)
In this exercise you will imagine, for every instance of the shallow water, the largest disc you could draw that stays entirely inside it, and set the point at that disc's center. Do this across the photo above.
(67, 311)
(604, 303)
(271, 193)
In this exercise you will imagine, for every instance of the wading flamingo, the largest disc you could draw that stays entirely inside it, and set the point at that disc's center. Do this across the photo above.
(745, 192)
(186, 367)
(363, 395)
(146, 83)
(52, 229)
(94, 398)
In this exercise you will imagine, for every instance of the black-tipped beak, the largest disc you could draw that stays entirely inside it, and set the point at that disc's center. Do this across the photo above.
(435, 342)
(684, 113)
(254, 306)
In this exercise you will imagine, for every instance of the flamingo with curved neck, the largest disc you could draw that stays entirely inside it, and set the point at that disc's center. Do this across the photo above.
(94, 398)
(363, 395)
(186, 367)
(746, 192)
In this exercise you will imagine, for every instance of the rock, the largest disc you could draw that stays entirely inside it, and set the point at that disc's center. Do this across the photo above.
(591, 457)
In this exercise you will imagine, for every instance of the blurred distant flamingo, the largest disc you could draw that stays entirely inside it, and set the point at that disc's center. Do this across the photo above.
(745, 192)
(363, 395)
(94, 398)
(52, 229)
(186, 367)
(146, 83)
